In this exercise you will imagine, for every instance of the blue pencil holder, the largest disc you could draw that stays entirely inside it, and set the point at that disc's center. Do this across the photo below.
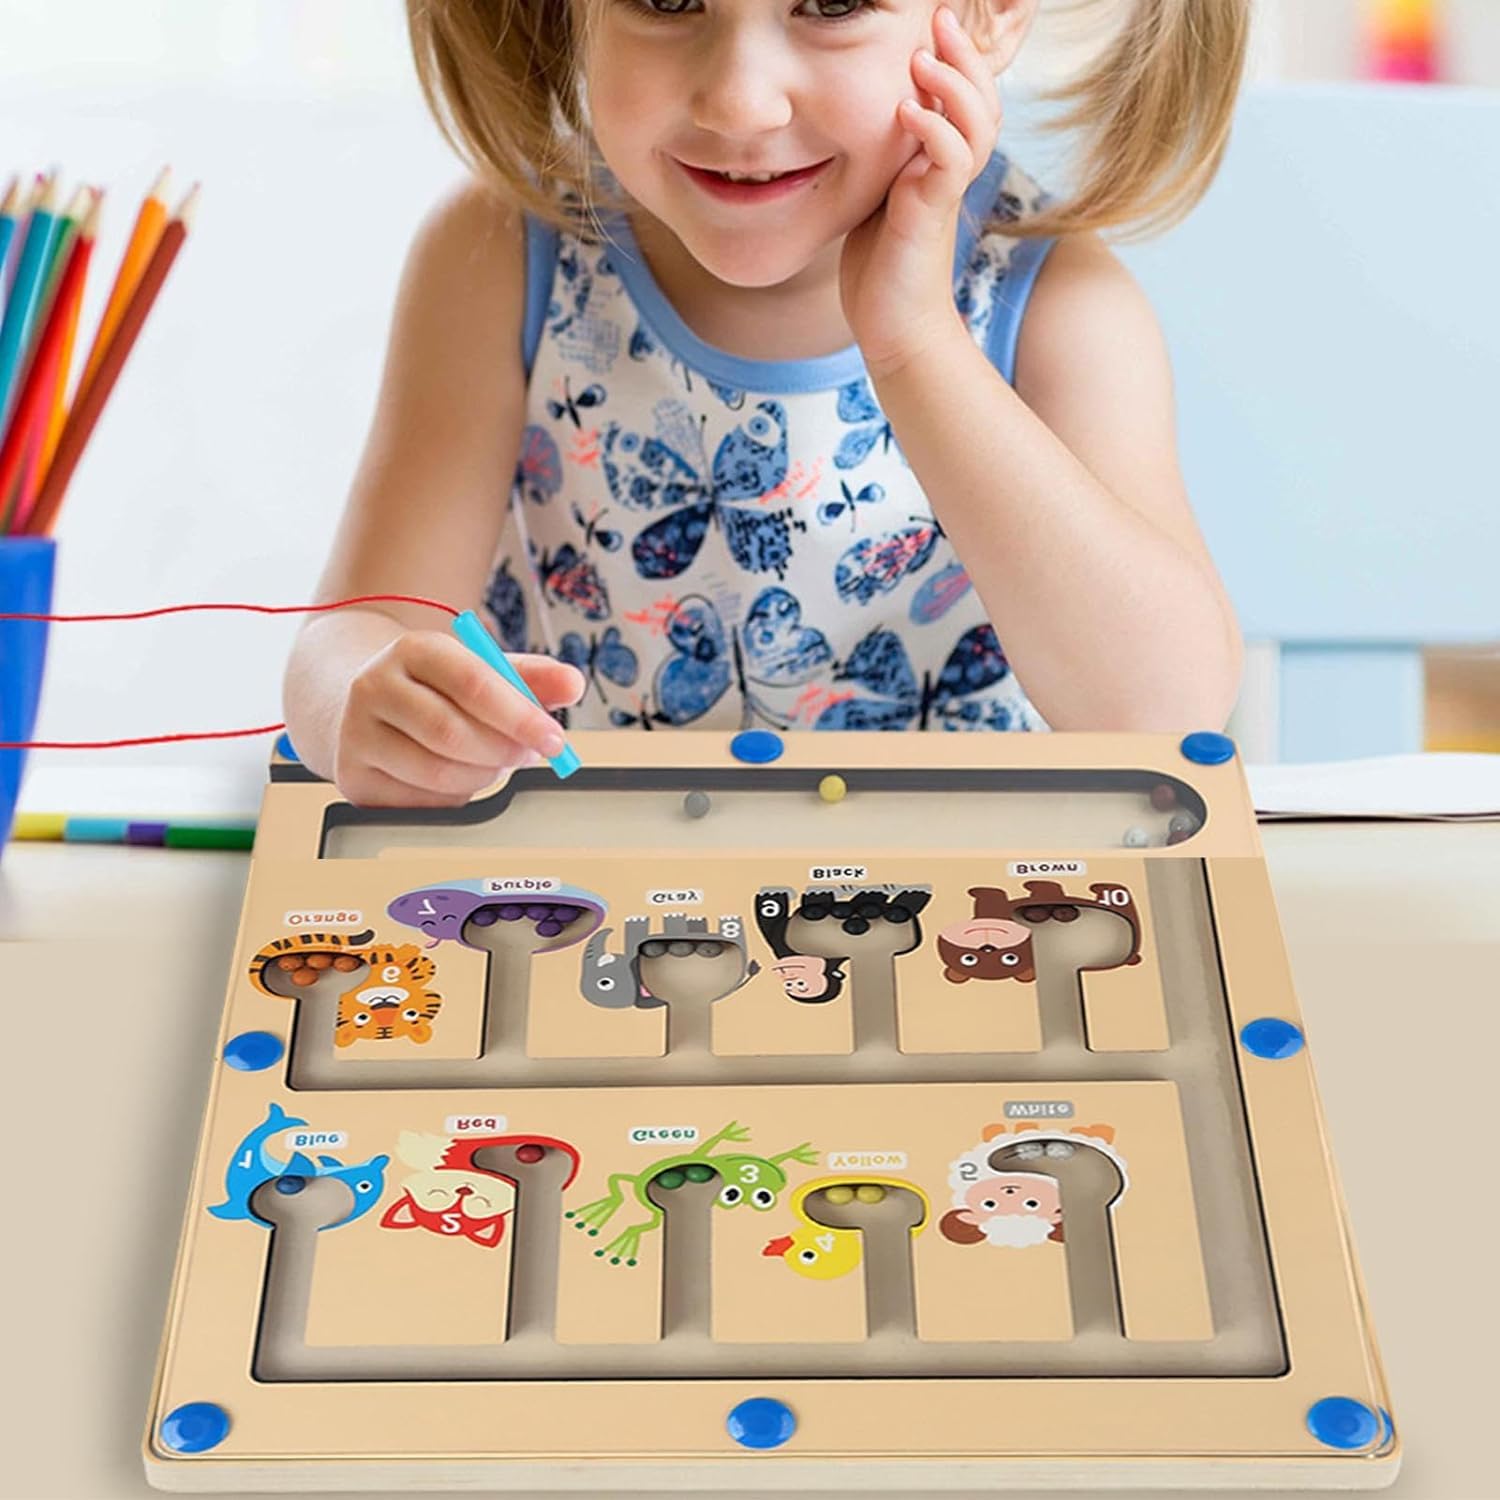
(26, 568)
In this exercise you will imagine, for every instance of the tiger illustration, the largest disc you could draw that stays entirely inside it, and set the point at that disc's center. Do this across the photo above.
(391, 994)
(393, 1001)
(302, 958)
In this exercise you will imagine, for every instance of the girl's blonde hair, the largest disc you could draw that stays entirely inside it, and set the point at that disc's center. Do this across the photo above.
(504, 78)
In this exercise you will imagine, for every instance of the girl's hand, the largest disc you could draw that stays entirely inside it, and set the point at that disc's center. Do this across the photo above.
(896, 274)
(425, 723)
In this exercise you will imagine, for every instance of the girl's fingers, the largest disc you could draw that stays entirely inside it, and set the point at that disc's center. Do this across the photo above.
(400, 756)
(483, 695)
(957, 47)
(446, 727)
(962, 104)
(940, 138)
(556, 683)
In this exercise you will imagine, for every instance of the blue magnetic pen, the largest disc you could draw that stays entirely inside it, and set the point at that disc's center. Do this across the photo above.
(471, 632)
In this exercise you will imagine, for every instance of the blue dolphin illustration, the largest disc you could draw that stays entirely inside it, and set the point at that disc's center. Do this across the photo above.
(254, 1163)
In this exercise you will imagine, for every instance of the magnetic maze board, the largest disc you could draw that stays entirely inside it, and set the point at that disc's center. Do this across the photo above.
(770, 1112)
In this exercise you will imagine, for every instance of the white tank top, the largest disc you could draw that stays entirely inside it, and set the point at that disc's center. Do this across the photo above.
(725, 543)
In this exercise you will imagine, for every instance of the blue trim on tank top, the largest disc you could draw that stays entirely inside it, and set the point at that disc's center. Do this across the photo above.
(824, 372)
(1003, 336)
(541, 267)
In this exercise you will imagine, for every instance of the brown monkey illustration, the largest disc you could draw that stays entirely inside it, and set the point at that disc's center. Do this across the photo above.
(991, 946)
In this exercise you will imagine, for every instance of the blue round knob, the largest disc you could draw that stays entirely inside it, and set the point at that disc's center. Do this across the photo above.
(1207, 748)
(761, 1422)
(1342, 1422)
(251, 1051)
(289, 1184)
(756, 747)
(1271, 1037)
(195, 1428)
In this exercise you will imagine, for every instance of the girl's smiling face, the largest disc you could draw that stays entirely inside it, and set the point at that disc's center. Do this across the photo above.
(755, 85)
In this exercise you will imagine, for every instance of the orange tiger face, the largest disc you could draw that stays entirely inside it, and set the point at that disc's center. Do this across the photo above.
(392, 1000)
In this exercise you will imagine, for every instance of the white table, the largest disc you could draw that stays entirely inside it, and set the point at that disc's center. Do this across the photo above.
(118, 959)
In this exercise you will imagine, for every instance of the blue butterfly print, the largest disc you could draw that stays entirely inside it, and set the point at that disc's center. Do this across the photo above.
(604, 657)
(590, 395)
(539, 468)
(779, 648)
(939, 594)
(580, 334)
(830, 510)
(875, 565)
(505, 598)
(772, 648)
(570, 578)
(749, 462)
(879, 664)
(858, 406)
(733, 398)
(648, 473)
(697, 674)
(593, 532)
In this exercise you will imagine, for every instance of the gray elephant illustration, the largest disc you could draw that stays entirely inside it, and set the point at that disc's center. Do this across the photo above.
(613, 980)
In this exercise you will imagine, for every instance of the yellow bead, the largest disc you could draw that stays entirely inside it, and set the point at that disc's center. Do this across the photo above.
(870, 1192)
(839, 1196)
(833, 789)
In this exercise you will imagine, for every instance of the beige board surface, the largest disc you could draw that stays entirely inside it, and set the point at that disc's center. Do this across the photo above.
(1202, 1296)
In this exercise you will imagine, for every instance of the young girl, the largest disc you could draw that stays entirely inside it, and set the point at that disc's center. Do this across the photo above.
(886, 442)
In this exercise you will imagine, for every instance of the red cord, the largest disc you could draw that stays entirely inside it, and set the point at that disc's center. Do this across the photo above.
(173, 609)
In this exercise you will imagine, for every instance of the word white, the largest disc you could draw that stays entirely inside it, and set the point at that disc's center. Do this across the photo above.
(474, 1124)
(675, 898)
(1031, 1109)
(644, 1135)
(308, 1140)
(494, 887)
(892, 1161)
(1048, 867)
(838, 872)
(340, 918)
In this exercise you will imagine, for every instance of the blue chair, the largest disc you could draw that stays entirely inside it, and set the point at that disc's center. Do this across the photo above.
(1333, 311)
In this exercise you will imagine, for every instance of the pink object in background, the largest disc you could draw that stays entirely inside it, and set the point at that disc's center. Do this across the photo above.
(1403, 41)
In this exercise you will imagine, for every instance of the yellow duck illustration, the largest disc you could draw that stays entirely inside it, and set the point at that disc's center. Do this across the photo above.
(822, 1252)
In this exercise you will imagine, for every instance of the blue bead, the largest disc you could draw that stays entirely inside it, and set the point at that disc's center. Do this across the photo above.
(756, 747)
(1207, 748)
(290, 1184)
(1271, 1037)
(251, 1051)
(284, 747)
(761, 1422)
(1341, 1422)
(195, 1428)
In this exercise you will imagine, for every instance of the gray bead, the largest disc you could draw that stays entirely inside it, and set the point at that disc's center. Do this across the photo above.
(696, 804)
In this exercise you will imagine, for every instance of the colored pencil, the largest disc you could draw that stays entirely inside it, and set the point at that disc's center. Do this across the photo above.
(20, 306)
(62, 244)
(144, 237)
(24, 206)
(91, 399)
(10, 212)
(48, 445)
(36, 389)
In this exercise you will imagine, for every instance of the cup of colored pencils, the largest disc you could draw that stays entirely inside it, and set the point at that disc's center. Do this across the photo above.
(48, 412)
